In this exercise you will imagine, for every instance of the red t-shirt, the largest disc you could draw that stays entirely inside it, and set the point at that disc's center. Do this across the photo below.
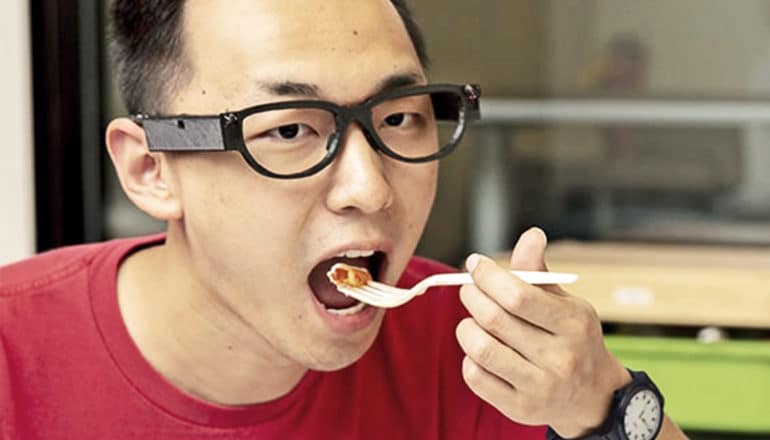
(69, 369)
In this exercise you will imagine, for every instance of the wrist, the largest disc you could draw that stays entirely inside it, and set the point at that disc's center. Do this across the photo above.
(594, 418)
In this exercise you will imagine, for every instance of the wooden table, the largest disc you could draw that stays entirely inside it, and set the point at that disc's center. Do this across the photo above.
(669, 284)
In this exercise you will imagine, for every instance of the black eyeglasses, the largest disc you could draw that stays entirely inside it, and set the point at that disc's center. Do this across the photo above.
(294, 139)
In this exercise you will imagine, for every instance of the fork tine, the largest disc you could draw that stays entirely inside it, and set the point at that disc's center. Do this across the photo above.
(385, 288)
(391, 298)
(366, 296)
(377, 292)
(392, 293)
(375, 297)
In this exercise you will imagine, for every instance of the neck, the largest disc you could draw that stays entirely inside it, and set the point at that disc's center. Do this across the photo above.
(195, 341)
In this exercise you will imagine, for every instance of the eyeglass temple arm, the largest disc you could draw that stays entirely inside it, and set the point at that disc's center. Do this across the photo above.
(182, 133)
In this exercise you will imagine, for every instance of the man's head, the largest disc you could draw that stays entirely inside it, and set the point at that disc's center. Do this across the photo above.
(260, 246)
(147, 49)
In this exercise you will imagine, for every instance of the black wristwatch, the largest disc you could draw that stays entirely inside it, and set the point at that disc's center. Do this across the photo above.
(636, 413)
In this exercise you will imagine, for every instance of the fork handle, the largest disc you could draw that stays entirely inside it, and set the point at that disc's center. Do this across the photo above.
(531, 277)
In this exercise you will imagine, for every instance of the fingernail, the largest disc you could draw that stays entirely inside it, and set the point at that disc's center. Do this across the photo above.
(472, 262)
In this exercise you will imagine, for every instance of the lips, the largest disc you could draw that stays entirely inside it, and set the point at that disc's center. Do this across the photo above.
(326, 293)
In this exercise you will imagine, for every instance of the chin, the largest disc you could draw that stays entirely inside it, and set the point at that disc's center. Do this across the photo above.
(341, 354)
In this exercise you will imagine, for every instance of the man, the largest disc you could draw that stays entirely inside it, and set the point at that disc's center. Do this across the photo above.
(225, 326)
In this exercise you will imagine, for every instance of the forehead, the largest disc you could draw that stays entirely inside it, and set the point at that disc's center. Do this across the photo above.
(343, 47)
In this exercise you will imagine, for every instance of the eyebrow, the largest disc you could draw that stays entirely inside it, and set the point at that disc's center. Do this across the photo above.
(309, 90)
(397, 81)
(291, 88)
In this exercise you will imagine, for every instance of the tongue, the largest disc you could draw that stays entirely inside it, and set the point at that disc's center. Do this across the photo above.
(325, 291)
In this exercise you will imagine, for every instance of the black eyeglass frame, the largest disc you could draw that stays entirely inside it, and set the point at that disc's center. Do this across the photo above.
(224, 132)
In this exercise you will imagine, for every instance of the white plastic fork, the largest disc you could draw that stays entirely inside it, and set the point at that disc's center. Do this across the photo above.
(383, 295)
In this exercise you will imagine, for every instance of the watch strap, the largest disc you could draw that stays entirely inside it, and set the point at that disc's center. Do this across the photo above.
(611, 428)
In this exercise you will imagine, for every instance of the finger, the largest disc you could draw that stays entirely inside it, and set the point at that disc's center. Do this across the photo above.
(491, 388)
(518, 298)
(485, 384)
(529, 254)
(494, 356)
(511, 330)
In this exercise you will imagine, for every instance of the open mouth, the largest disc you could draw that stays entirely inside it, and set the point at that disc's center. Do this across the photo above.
(326, 292)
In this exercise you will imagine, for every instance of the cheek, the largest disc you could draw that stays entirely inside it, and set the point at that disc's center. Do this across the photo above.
(242, 226)
(417, 190)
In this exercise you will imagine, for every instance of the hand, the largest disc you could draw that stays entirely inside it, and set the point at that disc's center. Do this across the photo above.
(536, 354)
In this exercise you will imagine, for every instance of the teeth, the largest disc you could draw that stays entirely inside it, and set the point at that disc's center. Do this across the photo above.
(349, 311)
(356, 254)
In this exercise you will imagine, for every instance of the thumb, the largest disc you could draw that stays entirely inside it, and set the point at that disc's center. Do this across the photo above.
(529, 252)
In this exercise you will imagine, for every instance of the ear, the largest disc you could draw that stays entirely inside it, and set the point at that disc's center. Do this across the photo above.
(144, 176)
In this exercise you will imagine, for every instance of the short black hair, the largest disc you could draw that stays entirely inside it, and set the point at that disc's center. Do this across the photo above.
(146, 49)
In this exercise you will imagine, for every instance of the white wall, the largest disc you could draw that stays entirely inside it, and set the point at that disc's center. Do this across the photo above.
(17, 195)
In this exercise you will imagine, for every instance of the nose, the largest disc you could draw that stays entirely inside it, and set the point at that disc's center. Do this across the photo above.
(359, 178)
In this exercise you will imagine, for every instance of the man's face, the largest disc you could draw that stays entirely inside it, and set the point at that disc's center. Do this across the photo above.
(261, 245)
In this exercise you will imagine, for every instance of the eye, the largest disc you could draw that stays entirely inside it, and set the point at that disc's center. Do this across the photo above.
(403, 120)
(289, 131)
(395, 119)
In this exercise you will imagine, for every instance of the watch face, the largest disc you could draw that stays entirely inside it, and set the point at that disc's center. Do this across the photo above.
(643, 416)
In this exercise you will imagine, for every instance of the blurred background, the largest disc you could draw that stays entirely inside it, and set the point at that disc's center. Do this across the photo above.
(637, 134)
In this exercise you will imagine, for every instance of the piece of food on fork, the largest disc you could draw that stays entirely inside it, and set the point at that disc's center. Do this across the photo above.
(356, 282)
(342, 274)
